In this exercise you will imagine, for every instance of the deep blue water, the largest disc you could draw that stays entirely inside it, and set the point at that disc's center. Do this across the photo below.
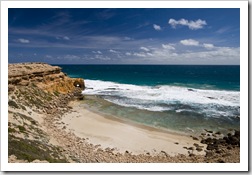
(204, 77)
(169, 96)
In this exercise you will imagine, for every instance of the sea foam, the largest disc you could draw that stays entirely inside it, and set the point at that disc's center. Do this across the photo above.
(213, 103)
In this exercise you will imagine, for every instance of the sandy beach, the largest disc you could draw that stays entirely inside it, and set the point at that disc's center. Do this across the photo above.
(124, 136)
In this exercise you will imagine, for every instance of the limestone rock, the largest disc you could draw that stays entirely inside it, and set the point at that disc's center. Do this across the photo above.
(46, 77)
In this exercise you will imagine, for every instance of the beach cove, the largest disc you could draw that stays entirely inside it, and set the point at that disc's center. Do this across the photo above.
(124, 136)
(185, 99)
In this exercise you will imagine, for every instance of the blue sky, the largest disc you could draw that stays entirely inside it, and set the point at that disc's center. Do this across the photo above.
(125, 36)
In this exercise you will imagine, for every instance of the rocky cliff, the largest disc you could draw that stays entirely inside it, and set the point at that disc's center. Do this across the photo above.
(47, 77)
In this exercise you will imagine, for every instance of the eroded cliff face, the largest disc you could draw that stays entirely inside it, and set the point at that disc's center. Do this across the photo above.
(47, 77)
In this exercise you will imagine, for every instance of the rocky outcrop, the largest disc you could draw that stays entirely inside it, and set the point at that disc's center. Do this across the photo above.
(47, 77)
(222, 148)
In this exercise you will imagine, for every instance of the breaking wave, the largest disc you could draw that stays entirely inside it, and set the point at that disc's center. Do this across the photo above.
(209, 103)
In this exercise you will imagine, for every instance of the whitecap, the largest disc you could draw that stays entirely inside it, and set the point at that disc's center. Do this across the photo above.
(167, 98)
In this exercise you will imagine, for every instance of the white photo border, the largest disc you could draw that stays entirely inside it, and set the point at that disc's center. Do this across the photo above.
(242, 166)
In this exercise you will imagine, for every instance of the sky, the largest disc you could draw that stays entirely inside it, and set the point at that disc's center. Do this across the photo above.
(205, 36)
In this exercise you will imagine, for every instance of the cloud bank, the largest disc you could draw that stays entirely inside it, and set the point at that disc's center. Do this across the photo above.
(189, 42)
(193, 25)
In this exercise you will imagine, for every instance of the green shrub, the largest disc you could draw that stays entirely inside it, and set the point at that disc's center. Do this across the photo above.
(21, 128)
(13, 104)
(31, 150)
(11, 130)
(23, 107)
(56, 93)
(33, 122)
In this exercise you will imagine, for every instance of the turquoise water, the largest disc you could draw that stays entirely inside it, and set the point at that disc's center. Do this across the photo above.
(183, 98)
(187, 123)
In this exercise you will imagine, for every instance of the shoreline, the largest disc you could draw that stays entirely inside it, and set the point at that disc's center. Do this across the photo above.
(95, 110)
(122, 136)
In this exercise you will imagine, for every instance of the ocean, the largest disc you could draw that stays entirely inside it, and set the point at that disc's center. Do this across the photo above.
(182, 98)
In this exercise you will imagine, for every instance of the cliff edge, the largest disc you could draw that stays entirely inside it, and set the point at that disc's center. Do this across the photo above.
(47, 77)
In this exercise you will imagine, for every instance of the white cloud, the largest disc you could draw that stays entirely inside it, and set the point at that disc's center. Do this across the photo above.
(97, 52)
(164, 54)
(128, 54)
(168, 46)
(149, 54)
(48, 56)
(62, 38)
(71, 57)
(208, 46)
(145, 49)
(24, 41)
(66, 38)
(113, 51)
(193, 25)
(189, 42)
(140, 54)
(101, 57)
(156, 27)
(220, 54)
